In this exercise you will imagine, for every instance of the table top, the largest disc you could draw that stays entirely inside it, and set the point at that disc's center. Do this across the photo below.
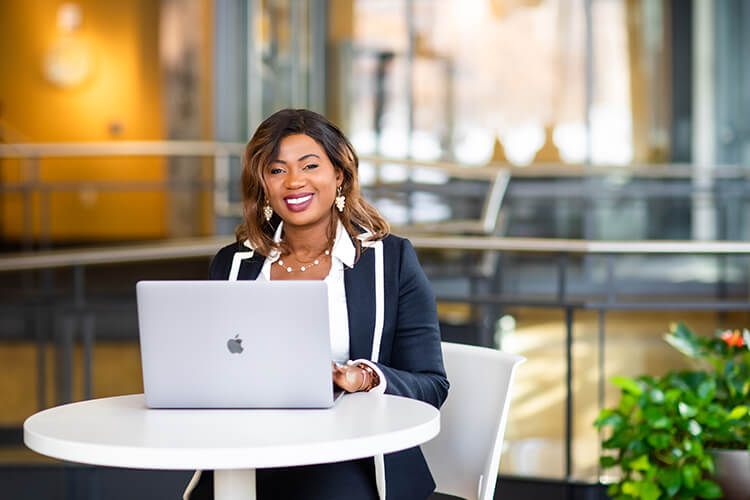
(122, 432)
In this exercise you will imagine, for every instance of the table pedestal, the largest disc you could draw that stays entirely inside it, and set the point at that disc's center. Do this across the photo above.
(234, 484)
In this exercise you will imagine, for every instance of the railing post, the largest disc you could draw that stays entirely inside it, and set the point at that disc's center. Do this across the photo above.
(29, 184)
(601, 378)
(569, 393)
(562, 277)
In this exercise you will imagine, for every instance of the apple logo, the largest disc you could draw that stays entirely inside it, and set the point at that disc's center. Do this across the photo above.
(235, 345)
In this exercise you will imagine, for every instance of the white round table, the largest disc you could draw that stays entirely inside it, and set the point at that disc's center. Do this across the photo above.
(122, 432)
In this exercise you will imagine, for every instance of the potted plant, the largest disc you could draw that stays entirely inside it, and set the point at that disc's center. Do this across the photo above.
(665, 431)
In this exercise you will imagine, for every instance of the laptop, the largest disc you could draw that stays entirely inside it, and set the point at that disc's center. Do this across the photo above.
(235, 344)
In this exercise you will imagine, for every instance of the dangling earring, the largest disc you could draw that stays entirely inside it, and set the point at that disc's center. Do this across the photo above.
(267, 211)
(340, 200)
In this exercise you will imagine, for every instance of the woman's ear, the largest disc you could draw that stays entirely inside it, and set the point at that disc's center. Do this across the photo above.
(339, 177)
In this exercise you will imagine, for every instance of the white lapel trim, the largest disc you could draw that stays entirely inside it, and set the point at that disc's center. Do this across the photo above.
(237, 259)
(377, 336)
(379, 301)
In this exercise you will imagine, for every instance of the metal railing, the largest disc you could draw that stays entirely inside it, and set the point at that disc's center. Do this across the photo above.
(223, 154)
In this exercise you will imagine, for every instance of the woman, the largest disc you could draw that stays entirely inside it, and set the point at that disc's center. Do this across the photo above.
(304, 219)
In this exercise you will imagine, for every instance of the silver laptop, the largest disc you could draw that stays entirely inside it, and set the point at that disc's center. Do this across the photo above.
(235, 344)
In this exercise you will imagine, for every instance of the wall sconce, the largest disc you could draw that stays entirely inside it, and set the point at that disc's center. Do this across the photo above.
(68, 62)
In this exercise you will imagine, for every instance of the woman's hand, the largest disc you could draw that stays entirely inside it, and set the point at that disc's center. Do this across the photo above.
(349, 377)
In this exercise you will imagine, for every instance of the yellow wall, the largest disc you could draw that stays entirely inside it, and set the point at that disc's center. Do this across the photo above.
(124, 87)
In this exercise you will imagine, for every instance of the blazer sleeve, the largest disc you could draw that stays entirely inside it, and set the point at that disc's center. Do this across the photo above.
(416, 366)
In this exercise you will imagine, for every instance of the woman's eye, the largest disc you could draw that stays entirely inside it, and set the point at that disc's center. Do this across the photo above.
(311, 166)
(275, 171)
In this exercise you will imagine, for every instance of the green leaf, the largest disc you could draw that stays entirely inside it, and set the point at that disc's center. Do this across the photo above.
(607, 461)
(612, 443)
(671, 480)
(707, 464)
(656, 418)
(656, 396)
(659, 440)
(613, 489)
(604, 413)
(737, 413)
(628, 385)
(615, 420)
(627, 402)
(631, 488)
(676, 380)
(661, 423)
(698, 448)
(707, 389)
(694, 428)
(708, 489)
(690, 475)
(637, 447)
(672, 395)
(640, 463)
(650, 490)
(686, 410)
(682, 330)
(682, 339)
(712, 420)
(693, 447)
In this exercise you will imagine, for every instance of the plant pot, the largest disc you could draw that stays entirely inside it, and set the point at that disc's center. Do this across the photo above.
(733, 473)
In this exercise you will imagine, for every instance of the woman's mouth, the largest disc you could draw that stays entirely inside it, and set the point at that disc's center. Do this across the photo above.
(298, 203)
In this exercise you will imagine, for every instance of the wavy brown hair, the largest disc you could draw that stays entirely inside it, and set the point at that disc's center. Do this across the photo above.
(358, 215)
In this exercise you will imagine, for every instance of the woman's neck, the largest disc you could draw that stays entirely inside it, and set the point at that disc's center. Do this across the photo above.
(307, 241)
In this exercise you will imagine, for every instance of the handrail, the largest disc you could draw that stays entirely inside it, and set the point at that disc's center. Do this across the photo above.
(177, 249)
(120, 148)
(559, 245)
(488, 171)
(208, 246)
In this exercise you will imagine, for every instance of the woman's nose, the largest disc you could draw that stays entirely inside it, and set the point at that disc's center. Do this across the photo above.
(294, 179)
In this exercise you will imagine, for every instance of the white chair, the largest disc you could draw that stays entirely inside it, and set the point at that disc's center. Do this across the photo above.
(465, 456)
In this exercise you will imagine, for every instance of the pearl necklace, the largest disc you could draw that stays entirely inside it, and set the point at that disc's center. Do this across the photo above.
(304, 268)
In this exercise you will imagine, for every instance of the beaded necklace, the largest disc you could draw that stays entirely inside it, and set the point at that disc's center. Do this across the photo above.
(304, 267)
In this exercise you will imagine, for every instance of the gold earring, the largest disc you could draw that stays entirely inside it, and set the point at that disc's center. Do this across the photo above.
(340, 200)
(267, 211)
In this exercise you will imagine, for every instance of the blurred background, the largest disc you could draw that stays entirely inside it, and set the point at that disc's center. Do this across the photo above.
(573, 174)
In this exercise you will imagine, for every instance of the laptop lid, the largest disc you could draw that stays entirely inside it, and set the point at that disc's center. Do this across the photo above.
(235, 344)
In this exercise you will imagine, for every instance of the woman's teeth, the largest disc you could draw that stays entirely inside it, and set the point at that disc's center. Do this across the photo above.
(297, 201)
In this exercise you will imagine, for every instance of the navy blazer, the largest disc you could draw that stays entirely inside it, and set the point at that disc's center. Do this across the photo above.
(410, 353)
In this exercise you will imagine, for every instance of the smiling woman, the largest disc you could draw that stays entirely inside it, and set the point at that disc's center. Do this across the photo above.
(304, 219)
(291, 151)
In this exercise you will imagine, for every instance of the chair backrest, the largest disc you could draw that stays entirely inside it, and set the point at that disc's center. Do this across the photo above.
(465, 456)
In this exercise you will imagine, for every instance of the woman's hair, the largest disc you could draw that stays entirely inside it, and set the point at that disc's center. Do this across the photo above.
(358, 215)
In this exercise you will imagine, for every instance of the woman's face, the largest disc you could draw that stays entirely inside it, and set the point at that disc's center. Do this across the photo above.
(301, 182)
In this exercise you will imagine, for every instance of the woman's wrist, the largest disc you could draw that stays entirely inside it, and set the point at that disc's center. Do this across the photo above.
(370, 378)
